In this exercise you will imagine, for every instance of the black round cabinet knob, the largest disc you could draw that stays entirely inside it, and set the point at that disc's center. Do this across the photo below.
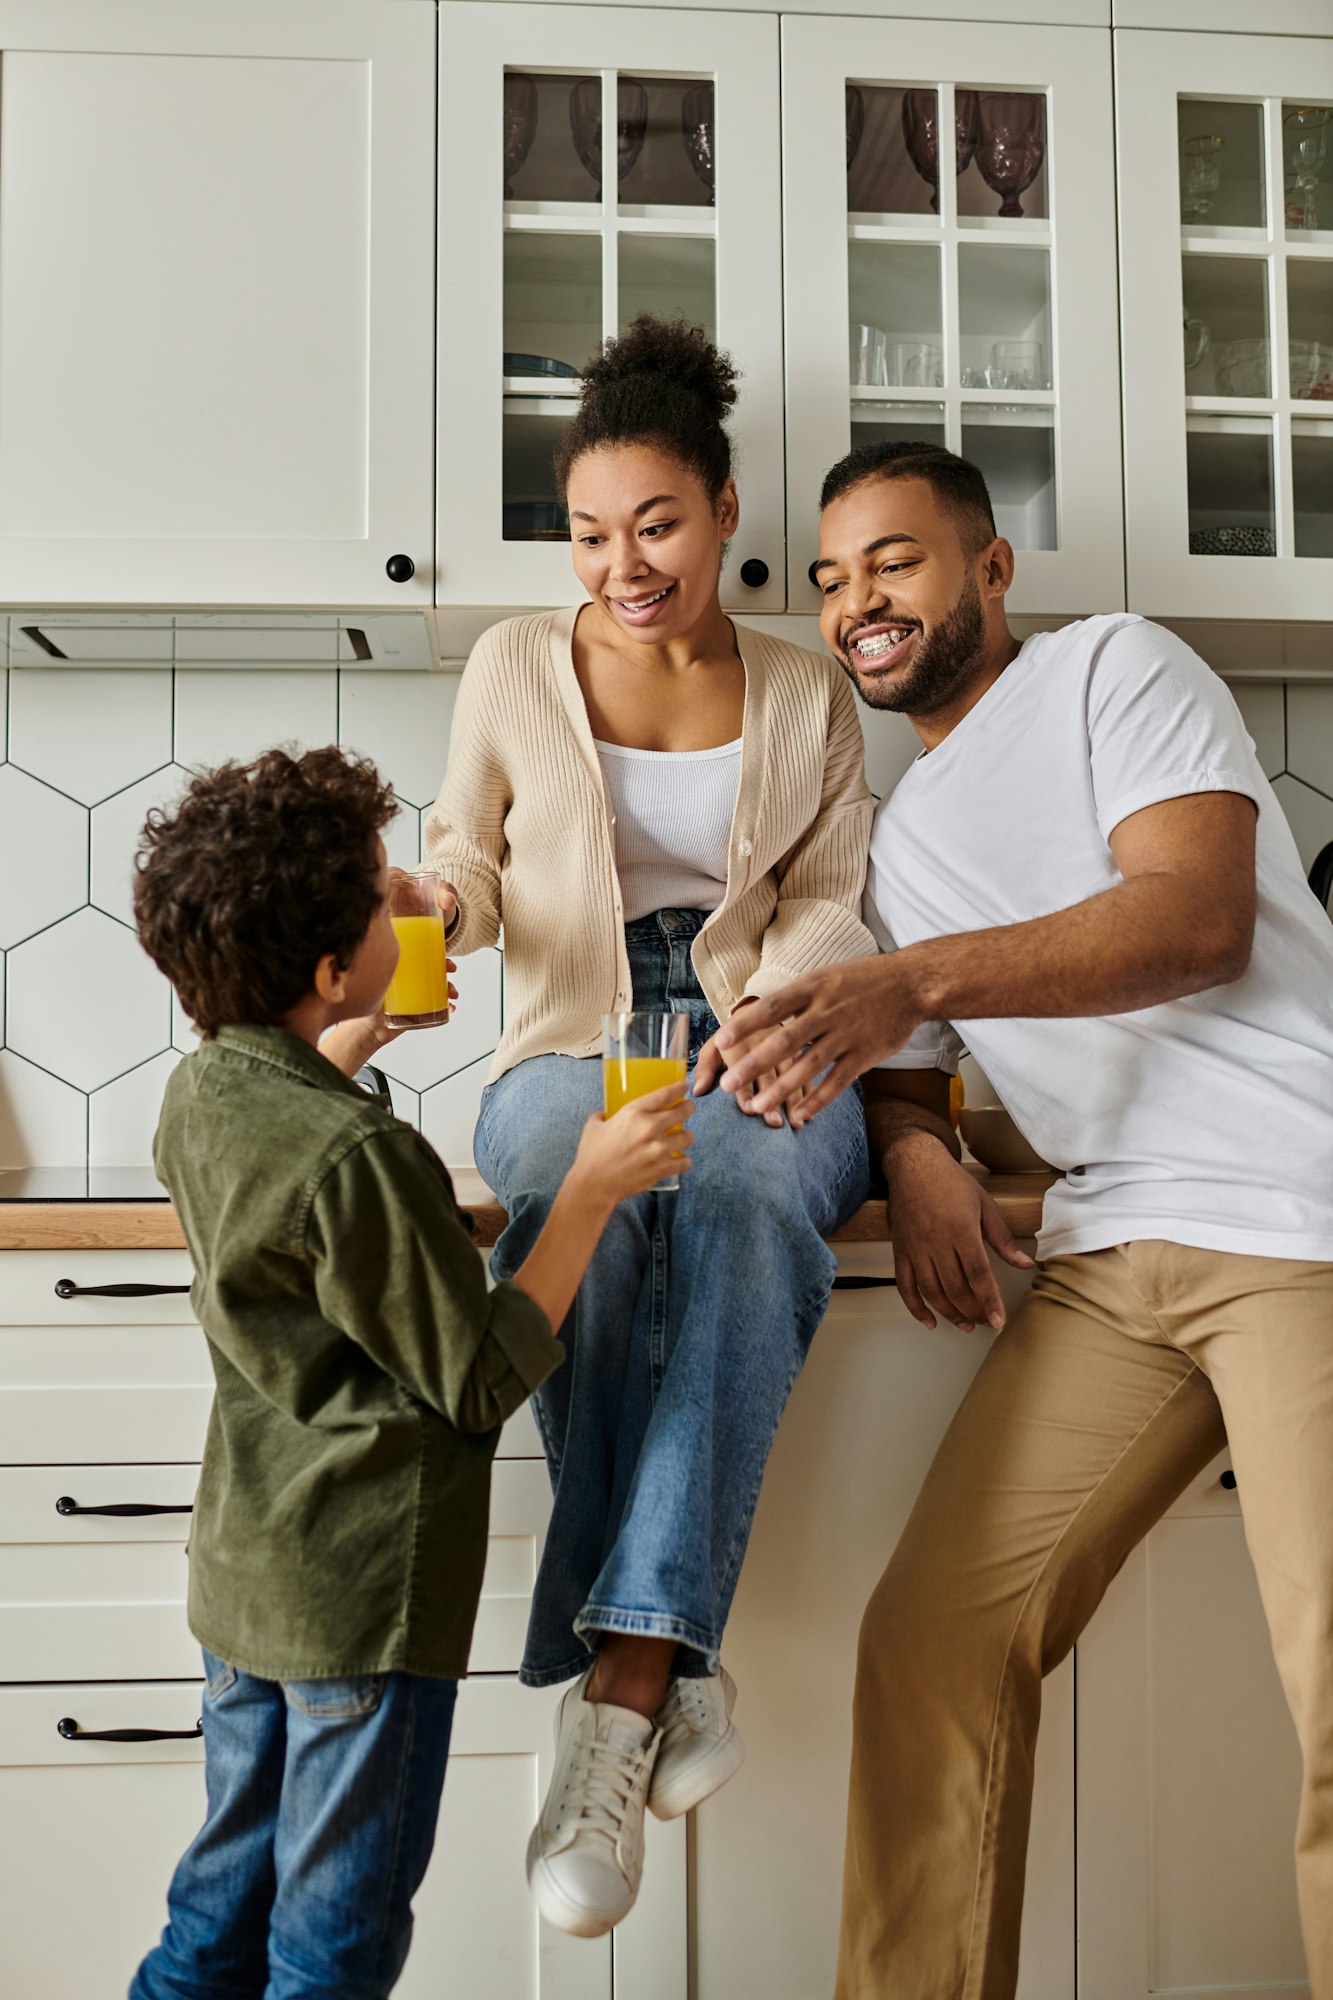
(754, 573)
(1227, 1479)
(813, 572)
(400, 569)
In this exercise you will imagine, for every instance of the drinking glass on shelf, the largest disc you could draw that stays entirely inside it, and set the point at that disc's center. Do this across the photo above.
(585, 121)
(869, 348)
(418, 995)
(913, 364)
(641, 1053)
(1197, 338)
(921, 118)
(1305, 129)
(856, 120)
(1011, 143)
(1018, 364)
(1200, 174)
(696, 119)
(520, 122)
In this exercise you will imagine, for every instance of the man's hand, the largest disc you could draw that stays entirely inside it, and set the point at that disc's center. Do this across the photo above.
(842, 1020)
(942, 1222)
(712, 1064)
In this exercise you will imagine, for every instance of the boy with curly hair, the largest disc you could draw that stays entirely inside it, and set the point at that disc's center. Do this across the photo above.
(363, 1371)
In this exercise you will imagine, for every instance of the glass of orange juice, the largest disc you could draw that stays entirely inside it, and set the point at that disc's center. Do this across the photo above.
(418, 995)
(641, 1053)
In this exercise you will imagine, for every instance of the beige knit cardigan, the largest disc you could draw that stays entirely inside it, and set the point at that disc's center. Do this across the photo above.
(522, 829)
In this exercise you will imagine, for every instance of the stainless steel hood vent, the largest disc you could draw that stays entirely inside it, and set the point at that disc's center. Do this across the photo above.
(402, 640)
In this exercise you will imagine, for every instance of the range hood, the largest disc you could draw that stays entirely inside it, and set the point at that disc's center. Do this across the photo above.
(402, 640)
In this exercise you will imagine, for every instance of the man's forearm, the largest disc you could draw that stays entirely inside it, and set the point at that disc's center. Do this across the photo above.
(894, 1127)
(1134, 946)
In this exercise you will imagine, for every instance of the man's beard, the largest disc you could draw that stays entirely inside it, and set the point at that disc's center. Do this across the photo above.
(944, 665)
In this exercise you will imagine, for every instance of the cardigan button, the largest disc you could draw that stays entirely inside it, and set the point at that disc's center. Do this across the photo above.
(747, 847)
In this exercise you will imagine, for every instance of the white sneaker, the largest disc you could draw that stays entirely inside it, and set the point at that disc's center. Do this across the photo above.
(585, 1857)
(701, 1746)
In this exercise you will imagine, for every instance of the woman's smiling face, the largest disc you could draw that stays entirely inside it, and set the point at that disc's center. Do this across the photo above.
(647, 540)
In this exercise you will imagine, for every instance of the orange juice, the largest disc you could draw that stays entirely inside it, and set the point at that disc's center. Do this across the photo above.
(628, 1077)
(418, 994)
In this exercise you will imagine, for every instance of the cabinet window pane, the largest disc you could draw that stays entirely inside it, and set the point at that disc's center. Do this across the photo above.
(1312, 481)
(892, 149)
(552, 301)
(1229, 468)
(1226, 330)
(530, 432)
(1014, 448)
(1007, 173)
(541, 152)
(1307, 148)
(669, 276)
(1004, 316)
(894, 299)
(667, 140)
(1220, 155)
(1310, 327)
(897, 423)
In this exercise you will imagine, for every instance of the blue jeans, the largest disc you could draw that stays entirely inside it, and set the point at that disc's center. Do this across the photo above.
(688, 1331)
(322, 1803)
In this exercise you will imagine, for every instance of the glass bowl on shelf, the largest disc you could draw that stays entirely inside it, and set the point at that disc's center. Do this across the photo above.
(1311, 364)
(1233, 541)
(1241, 367)
(540, 364)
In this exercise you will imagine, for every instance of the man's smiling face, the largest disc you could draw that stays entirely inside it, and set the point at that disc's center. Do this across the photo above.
(902, 605)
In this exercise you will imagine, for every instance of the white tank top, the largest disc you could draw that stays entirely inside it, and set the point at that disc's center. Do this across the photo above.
(671, 824)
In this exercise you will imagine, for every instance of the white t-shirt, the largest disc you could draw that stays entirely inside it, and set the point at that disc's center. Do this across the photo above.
(1206, 1121)
(671, 815)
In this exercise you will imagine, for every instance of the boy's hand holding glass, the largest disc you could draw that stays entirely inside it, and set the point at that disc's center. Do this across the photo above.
(637, 1147)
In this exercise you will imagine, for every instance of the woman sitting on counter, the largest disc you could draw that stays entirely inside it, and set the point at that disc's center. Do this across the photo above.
(665, 812)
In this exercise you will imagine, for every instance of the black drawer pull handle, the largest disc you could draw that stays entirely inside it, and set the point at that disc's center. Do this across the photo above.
(861, 1284)
(67, 1289)
(70, 1730)
(124, 1509)
(1228, 1479)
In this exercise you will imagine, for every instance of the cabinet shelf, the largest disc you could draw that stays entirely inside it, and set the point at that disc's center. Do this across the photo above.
(585, 219)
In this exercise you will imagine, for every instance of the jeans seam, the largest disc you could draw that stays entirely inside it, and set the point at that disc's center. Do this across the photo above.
(395, 1867)
(985, 1840)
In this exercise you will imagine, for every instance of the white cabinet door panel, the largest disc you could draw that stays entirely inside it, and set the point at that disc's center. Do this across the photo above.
(862, 1426)
(940, 289)
(1188, 1774)
(215, 301)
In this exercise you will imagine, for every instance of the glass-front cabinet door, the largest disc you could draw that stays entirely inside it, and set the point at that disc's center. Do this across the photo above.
(950, 275)
(553, 235)
(1226, 221)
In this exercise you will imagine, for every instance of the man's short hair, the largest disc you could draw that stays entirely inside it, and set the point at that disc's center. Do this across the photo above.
(955, 482)
(257, 873)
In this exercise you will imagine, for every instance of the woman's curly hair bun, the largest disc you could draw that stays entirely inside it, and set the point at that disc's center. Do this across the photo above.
(662, 383)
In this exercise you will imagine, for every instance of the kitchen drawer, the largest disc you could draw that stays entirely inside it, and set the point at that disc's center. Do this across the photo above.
(122, 1392)
(92, 1597)
(28, 1280)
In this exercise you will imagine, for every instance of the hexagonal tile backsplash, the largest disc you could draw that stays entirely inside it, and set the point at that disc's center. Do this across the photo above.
(88, 1030)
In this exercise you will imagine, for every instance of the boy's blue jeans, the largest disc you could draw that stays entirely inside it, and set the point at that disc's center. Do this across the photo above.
(687, 1333)
(322, 1802)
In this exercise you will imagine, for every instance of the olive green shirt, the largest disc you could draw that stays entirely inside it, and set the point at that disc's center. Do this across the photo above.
(363, 1369)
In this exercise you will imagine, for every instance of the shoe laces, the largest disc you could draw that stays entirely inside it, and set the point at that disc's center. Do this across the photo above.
(686, 1703)
(603, 1776)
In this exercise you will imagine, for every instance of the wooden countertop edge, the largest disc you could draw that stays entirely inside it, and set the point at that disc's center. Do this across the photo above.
(149, 1225)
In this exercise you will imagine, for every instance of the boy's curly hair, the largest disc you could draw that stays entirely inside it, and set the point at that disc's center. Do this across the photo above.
(262, 868)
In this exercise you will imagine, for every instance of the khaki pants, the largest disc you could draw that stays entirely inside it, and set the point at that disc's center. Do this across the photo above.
(1092, 1412)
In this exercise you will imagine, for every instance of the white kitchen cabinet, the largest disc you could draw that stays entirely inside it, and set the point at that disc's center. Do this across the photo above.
(1239, 17)
(216, 309)
(861, 1429)
(1188, 1774)
(976, 310)
(542, 254)
(90, 1832)
(1225, 147)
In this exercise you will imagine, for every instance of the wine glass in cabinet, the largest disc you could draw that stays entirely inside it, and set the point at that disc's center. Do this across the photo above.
(1227, 233)
(949, 220)
(595, 163)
